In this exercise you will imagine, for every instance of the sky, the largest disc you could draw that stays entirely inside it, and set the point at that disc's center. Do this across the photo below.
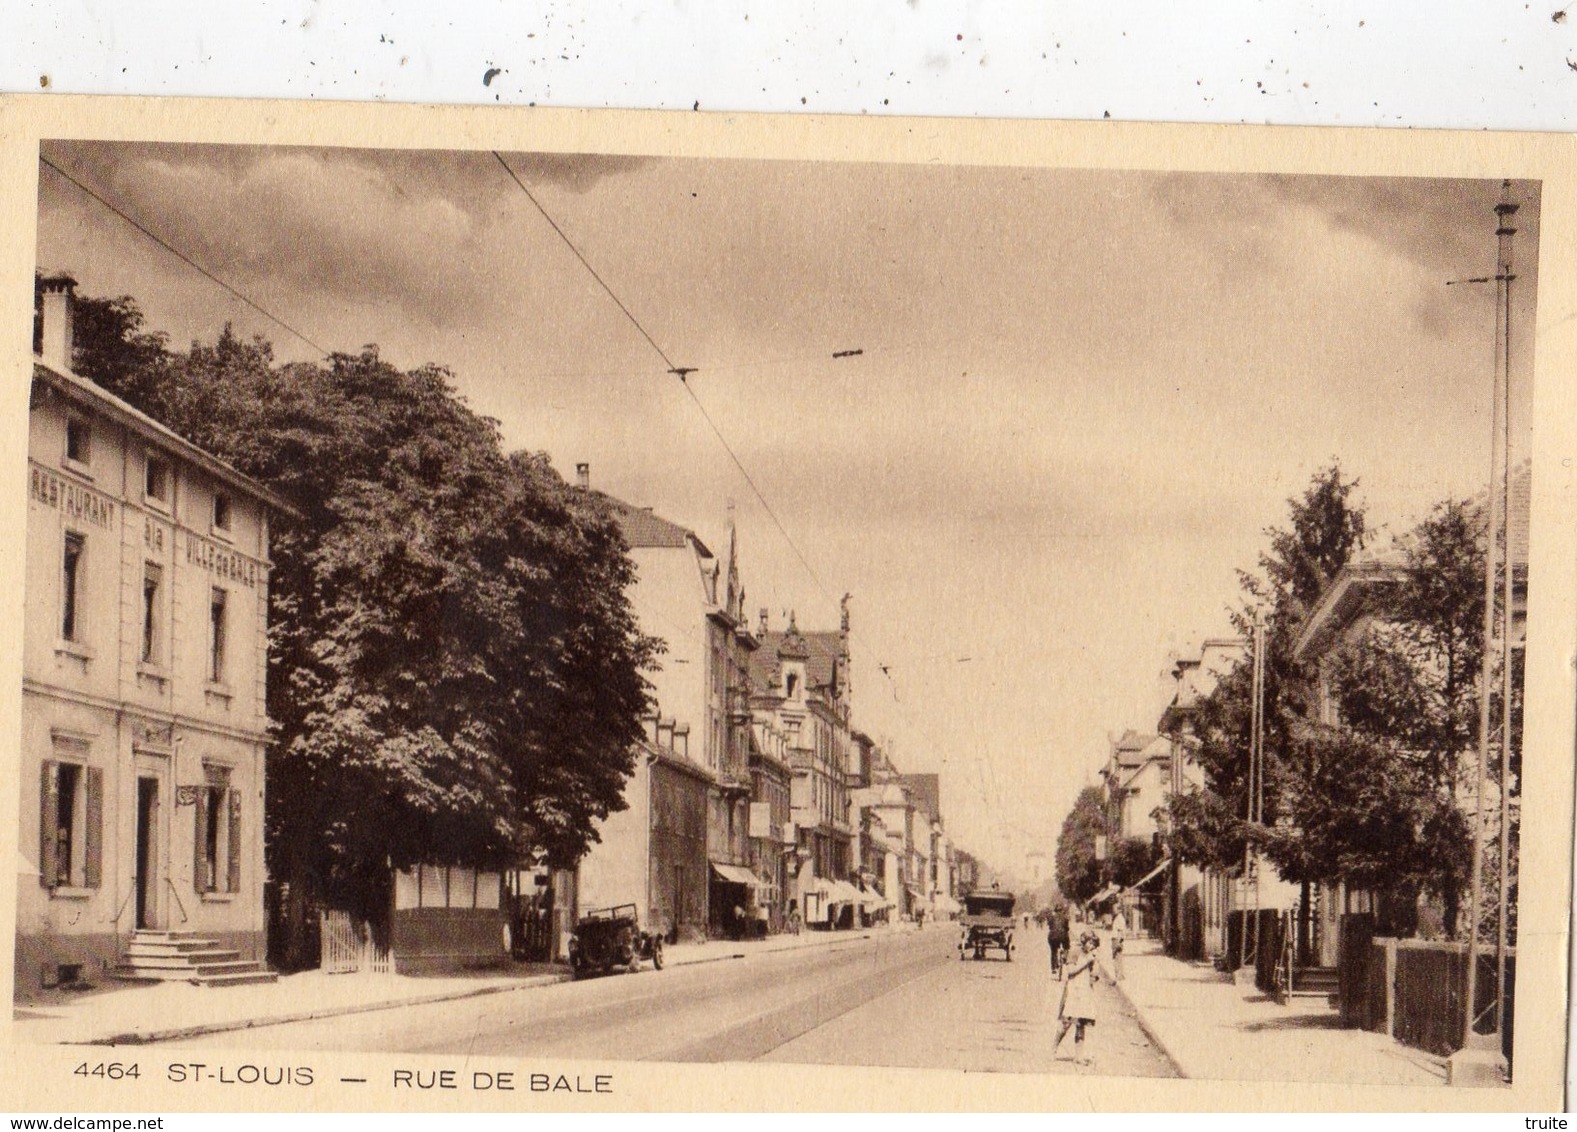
(1080, 396)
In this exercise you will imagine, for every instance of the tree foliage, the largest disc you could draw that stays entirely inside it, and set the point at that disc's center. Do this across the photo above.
(1374, 800)
(1325, 528)
(1080, 873)
(457, 673)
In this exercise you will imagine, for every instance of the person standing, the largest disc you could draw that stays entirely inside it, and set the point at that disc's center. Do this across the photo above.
(1119, 930)
(1078, 1010)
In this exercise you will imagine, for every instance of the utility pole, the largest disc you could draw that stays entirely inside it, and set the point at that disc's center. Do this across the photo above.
(1255, 807)
(1480, 1061)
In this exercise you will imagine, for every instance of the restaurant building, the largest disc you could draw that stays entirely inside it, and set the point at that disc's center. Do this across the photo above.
(145, 654)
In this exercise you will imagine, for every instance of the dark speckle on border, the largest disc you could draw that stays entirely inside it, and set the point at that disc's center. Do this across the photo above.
(490, 74)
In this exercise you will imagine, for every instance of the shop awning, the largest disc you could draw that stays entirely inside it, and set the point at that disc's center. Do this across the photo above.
(1149, 875)
(736, 874)
(844, 893)
(874, 900)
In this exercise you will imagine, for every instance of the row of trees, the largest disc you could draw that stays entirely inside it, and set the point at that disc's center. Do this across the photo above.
(1373, 800)
(457, 675)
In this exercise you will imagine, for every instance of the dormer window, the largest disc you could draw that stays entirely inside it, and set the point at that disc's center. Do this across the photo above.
(791, 685)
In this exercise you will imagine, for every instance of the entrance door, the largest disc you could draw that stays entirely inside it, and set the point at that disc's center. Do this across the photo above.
(147, 855)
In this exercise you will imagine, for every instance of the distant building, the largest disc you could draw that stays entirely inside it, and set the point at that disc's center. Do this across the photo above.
(145, 654)
(801, 687)
(1138, 779)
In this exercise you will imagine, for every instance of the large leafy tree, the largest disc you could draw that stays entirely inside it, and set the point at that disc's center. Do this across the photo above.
(1325, 528)
(1410, 683)
(458, 675)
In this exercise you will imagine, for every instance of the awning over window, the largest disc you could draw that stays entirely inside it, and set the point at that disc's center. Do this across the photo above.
(1149, 875)
(1104, 894)
(874, 900)
(843, 893)
(736, 874)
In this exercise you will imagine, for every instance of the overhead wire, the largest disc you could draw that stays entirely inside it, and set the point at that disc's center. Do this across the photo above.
(182, 256)
(683, 373)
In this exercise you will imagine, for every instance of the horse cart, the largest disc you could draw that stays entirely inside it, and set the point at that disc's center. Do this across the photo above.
(987, 924)
(612, 937)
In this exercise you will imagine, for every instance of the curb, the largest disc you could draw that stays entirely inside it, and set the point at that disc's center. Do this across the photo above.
(1149, 1032)
(818, 945)
(148, 1037)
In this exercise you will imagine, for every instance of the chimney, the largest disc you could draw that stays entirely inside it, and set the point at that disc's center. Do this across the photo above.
(583, 476)
(55, 296)
(763, 630)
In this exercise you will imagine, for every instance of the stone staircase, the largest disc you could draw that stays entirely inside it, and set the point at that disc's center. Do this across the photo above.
(160, 957)
(1315, 982)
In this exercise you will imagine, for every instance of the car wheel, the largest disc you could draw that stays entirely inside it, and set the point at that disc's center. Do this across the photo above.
(657, 955)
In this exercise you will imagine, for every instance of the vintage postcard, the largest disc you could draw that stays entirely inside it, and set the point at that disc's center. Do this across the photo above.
(908, 614)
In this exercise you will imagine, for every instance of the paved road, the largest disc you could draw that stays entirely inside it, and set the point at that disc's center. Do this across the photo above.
(902, 1000)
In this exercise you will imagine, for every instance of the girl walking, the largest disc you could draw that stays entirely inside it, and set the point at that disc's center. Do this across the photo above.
(1078, 1010)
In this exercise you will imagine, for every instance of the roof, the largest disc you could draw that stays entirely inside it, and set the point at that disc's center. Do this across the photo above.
(101, 400)
(1131, 749)
(820, 651)
(644, 529)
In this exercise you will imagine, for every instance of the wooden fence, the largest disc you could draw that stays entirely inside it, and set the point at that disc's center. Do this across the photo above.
(348, 946)
(1412, 989)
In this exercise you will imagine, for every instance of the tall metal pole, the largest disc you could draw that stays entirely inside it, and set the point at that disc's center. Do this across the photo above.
(1491, 551)
(1505, 210)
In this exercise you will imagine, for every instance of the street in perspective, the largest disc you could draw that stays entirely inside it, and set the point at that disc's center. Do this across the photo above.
(649, 609)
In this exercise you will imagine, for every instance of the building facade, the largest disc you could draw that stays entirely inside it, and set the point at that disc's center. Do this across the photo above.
(684, 595)
(800, 686)
(145, 656)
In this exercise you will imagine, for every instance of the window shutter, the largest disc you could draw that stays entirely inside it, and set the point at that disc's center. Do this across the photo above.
(48, 870)
(95, 831)
(200, 842)
(233, 880)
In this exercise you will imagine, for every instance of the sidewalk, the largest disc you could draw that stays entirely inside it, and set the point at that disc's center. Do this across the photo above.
(1213, 1028)
(131, 1014)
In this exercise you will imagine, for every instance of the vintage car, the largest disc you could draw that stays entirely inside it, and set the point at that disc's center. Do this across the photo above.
(609, 938)
(987, 923)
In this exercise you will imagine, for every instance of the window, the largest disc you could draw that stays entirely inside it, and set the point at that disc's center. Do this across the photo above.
(71, 822)
(79, 442)
(156, 486)
(221, 512)
(71, 587)
(216, 636)
(791, 685)
(218, 841)
(152, 622)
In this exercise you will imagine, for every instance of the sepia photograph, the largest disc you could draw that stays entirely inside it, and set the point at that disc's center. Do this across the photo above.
(566, 607)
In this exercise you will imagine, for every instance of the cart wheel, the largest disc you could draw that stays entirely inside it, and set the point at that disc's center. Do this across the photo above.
(657, 954)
